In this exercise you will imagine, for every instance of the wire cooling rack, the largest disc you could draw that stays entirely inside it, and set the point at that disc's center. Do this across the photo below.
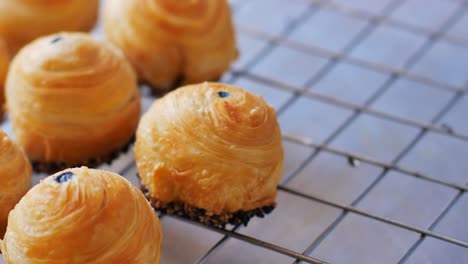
(371, 97)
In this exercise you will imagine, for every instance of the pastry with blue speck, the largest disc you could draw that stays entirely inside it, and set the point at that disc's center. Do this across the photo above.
(210, 152)
(73, 101)
(173, 43)
(79, 216)
(22, 21)
(15, 177)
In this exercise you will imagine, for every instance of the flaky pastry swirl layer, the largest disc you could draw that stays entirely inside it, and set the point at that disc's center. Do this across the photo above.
(211, 146)
(21, 21)
(72, 98)
(15, 177)
(83, 216)
(167, 40)
(4, 62)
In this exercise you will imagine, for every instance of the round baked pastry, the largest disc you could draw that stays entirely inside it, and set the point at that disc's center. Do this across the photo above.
(15, 177)
(212, 152)
(173, 42)
(21, 21)
(83, 215)
(4, 61)
(72, 100)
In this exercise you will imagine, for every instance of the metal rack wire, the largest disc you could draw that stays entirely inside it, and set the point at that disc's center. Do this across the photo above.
(394, 73)
(306, 91)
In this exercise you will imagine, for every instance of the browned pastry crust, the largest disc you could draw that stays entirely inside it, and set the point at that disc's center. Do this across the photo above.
(80, 216)
(173, 42)
(22, 21)
(73, 100)
(4, 62)
(15, 177)
(210, 146)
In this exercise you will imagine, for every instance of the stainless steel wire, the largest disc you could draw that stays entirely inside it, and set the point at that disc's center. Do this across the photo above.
(394, 73)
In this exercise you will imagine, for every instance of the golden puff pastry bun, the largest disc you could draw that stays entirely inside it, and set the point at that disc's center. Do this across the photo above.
(21, 21)
(210, 150)
(173, 42)
(15, 177)
(73, 101)
(83, 215)
(4, 62)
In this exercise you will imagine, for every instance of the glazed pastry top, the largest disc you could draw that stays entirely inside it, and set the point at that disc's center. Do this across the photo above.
(21, 21)
(69, 84)
(83, 216)
(213, 146)
(167, 39)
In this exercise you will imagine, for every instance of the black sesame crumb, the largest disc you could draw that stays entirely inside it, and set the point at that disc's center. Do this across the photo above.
(268, 209)
(93, 162)
(199, 211)
(36, 165)
(223, 94)
(353, 162)
(181, 209)
(56, 39)
(259, 213)
(54, 166)
(64, 177)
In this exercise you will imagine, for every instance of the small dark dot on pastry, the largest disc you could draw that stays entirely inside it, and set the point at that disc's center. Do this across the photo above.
(57, 39)
(223, 94)
(64, 177)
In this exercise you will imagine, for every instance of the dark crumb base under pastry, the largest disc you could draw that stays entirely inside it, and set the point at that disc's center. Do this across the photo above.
(157, 91)
(55, 166)
(2, 112)
(200, 215)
